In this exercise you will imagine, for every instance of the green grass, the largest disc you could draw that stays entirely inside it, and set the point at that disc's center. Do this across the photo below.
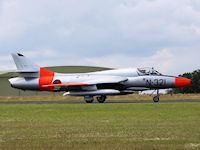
(95, 126)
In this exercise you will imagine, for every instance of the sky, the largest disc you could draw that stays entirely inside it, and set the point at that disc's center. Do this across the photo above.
(164, 34)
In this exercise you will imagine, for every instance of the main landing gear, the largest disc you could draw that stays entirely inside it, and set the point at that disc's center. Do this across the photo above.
(156, 98)
(90, 99)
(101, 99)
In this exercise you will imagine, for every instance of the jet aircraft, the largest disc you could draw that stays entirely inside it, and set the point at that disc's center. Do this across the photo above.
(98, 84)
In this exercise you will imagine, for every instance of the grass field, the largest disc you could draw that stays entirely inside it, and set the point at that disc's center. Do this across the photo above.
(101, 126)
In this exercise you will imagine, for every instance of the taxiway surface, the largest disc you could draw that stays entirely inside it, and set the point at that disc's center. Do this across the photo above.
(107, 102)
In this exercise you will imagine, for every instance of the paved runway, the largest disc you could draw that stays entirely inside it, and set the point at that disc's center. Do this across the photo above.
(108, 102)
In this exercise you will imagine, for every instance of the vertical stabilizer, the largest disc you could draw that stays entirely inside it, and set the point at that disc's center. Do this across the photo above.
(24, 65)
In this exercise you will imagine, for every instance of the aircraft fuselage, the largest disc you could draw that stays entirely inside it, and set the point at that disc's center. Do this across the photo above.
(100, 83)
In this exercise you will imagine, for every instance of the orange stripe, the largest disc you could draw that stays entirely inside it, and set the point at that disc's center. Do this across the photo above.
(46, 77)
(69, 84)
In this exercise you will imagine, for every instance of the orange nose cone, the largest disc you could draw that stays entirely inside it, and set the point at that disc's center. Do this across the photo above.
(182, 82)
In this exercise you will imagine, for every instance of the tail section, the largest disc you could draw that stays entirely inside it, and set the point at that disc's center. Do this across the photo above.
(24, 65)
(26, 68)
(34, 76)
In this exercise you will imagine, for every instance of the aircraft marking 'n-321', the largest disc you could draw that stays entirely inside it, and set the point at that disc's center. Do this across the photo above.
(100, 84)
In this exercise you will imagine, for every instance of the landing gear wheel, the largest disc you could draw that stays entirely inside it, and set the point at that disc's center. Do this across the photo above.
(156, 99)
(101, 99)
(91, 101)
(88, 99)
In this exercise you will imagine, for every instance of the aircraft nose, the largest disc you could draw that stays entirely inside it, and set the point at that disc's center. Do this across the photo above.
(182, 82)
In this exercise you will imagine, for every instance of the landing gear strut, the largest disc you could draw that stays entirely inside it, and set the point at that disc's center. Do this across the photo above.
(101, 99)
(156, 98)
(88, 99)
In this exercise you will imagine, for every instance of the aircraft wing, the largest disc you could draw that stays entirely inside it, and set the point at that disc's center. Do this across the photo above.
(98, 80)
(107, 80)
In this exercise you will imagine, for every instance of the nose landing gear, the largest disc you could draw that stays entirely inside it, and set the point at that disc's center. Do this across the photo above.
(156, 98)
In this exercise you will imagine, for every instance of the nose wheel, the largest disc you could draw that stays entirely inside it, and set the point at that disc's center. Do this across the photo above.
(101, 99)
(156, 98)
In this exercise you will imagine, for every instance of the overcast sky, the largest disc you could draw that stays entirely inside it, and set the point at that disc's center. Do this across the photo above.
(164, 34)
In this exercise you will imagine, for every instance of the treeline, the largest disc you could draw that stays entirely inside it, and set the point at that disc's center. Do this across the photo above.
(195, 86)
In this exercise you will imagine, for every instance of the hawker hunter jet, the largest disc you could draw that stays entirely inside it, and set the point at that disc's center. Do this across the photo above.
(95, 84)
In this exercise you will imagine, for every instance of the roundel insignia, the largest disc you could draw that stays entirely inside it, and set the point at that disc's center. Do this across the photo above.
(56, 81)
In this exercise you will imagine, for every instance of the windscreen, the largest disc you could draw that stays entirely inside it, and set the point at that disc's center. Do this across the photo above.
(148, 71)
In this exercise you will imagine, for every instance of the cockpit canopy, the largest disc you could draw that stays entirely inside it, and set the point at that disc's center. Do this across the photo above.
(148, 71)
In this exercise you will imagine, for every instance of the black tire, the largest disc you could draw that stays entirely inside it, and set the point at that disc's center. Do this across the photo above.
(89, 99)
(101, 99)
(156, 99)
